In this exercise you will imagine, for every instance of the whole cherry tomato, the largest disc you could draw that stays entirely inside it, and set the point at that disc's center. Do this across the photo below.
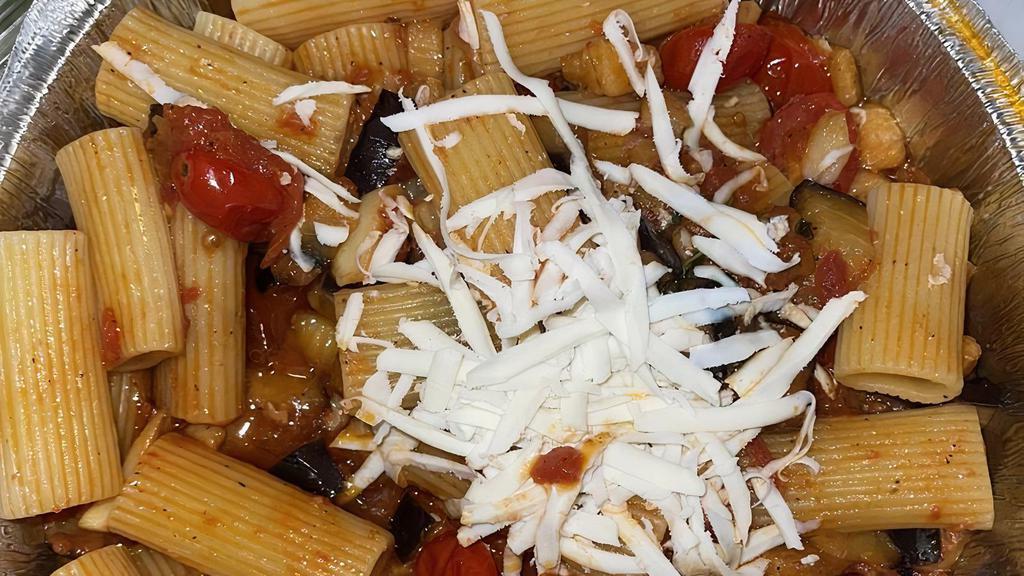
(225, 177)
(444, 556)
(793, 65)
(227, 195)
(679, 54)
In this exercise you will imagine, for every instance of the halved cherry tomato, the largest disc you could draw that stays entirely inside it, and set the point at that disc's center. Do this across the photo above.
(679, 54)
(444, 556)
(793, 64)
(225, 177)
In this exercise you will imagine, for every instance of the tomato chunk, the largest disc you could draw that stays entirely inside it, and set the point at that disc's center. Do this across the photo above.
(793, 65)
(680, 53)
(226, 178)
(444, 556)
(784, 137)
(832, 275)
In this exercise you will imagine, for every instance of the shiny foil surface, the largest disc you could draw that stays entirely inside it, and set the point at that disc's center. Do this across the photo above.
(938, 64)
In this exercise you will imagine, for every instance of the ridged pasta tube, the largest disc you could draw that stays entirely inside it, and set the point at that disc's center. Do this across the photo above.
(922, 468)
(227, 518)
(237, 35)
(491, 152)
(540, 32)
(116, 202)
(109, 561)
(205, 384)
(906, 339)
(60, 443)
(384, 307)
(241, 85)
(292, 22)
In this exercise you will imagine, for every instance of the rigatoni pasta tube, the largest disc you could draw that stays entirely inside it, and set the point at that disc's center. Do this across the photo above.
(60, 445)
(109, 561)
(205, 384)
(906, 339)
(237, 35)
(384, 307)
(113, 193)
(292, 22)
(130, 396)
(122, 100)
(509, 150)
(152, 563)
(227, 518)
(540, 32)
(240, 85)
(922, 468)
(358, 53)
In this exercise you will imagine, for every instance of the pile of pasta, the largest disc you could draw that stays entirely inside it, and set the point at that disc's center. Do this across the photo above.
(497, 319)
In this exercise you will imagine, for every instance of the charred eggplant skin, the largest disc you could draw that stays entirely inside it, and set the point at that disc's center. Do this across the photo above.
(408, 525)
(832, 220)
(370, 166)
(919, 547)
(311, 469)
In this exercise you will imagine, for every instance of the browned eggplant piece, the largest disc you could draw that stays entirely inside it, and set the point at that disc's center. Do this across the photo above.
(918, 546)
(836, 221)
(370, 165)
(312, 469)
(409, 525)
(656, 243)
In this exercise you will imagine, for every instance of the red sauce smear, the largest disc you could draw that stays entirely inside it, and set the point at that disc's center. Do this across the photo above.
(832, 275)
(111, 342)
(562, 465)
(290, 121)
(191, 294)
(226, 178)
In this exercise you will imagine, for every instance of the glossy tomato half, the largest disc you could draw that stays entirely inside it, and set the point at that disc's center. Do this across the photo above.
(793, 64)
(680, 53)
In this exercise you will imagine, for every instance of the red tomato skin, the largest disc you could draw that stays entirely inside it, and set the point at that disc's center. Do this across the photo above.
(784, 136)
(444, 556)
(227, 195)
(793, 64)
(679, 55)
(226, 178)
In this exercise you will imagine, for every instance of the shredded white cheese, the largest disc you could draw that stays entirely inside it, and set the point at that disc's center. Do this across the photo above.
(305, 109)
(592, 355)
(317, 88)
(143, 76)
(941, 271)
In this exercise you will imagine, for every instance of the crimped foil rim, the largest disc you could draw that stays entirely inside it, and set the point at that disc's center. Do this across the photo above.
(994, 69)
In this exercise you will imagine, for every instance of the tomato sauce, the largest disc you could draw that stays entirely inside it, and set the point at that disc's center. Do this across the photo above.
(290, 121)
(111, 338)
(225, 177)
(562, 465)
(444, 556)
(832, 275)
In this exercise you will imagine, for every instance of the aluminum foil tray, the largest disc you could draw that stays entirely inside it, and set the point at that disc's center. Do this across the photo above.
(950, 78)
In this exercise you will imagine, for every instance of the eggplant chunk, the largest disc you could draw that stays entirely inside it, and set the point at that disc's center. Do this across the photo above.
(837, 222)
(408, 525)
(371, 165)
(919, 546)
(312, 469)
